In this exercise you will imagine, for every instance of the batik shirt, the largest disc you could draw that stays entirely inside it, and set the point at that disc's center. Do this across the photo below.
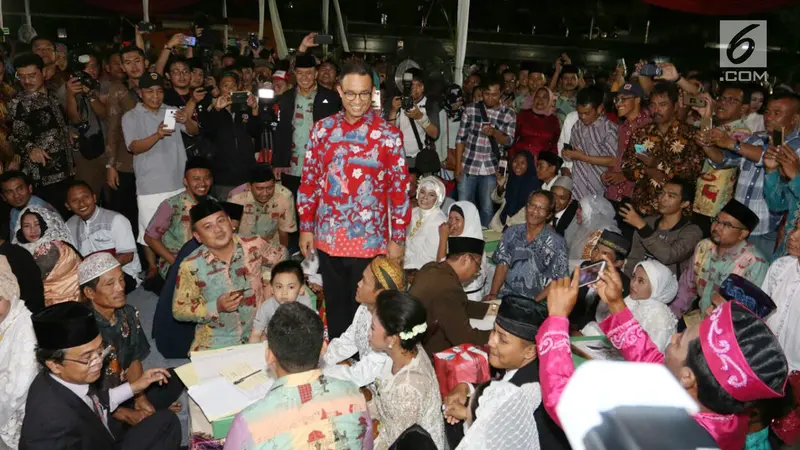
(677, 154)
(37, 122)
(715, 186)
(355, 181)
(531, 265)
(128, 344)
(708, 269)
(596, 139)
(172, 225)
(203, 278)
(624, 133)
(302, 122)
(305, 410)
(267, 219)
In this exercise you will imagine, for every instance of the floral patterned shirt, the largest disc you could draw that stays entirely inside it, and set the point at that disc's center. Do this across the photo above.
(678, 156)
(267, 219)
(354, 190)
(172, 225)
(202, 279)
(128, 344)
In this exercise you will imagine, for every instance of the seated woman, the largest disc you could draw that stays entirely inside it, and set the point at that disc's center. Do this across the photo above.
(463, 220)
(46, 237)
(595, 214)
(729, 363)
(537, 128)
(381, 274)
(409, 393)
(422, 239)
(652, 287)
(522, 181)
(18, 364)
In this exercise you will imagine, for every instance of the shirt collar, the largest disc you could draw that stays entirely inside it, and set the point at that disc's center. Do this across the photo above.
(298, 379)
(366, 119)
(509, 374)
(209, 256)
(93, 216)
(81, 390)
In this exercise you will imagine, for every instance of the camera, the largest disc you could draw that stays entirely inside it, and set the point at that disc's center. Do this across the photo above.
(407, 101)
(146, 27)
(86, 80)
(82, 127)
(253, 41)
(77, 66)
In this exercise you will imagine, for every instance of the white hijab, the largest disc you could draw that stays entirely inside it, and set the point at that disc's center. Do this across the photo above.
(653, 314)
(17, 360)
(56, 229)
(432, 183)
(472, 220)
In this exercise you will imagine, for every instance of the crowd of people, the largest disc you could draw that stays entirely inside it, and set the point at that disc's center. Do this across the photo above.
(178, 177)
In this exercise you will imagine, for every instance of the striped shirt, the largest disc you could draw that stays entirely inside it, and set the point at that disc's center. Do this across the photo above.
(478, 158)
(596, 139)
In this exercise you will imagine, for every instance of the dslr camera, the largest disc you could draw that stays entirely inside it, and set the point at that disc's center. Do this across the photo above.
(76, 67)
(407, 101)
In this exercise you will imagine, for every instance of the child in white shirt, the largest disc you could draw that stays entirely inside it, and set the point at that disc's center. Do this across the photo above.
(287, 286)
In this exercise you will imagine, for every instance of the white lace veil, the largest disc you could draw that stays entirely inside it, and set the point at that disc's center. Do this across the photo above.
(56, 229)
(596, 214)
(504, 418)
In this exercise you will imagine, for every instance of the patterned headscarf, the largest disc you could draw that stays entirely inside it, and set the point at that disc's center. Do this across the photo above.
(389, 274)
(56, 229)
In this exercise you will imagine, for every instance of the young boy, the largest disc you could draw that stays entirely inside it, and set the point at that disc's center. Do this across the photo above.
(287, 286)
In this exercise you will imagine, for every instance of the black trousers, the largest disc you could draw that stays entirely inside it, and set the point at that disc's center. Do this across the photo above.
(161, 397)
(160, 431)
(123, 199)
(56, 195)
(340, 277)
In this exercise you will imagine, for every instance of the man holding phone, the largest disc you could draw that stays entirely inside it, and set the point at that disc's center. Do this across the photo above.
(298, 110)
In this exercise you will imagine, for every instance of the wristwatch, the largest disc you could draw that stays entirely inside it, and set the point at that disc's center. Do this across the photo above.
(737, 147)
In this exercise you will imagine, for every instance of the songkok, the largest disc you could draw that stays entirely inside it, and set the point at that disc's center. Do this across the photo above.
(203, 209)
(427, 162)
(305, 61)
(457, 245)
(151, 79)
(563, 181)
(95, 265)
(741, 213)
(739, 367)
(388, 274)
(632, 88)
(615, 242)
(64, 325)
(521, 317)
(552, 159)
(748, 294)
(233, 210)
(197, 162)
(261, 174)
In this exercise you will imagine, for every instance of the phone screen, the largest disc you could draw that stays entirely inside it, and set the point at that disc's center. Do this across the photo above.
(503, 167)
(590, 274)
(777, 137)
(567, 146)
(169, 118)
(191, 41)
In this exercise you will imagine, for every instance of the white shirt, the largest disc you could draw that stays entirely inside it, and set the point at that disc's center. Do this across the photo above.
(106, 230)
(355, 339)
(116, 396)
(410, 143)
(566, 134)
(422, 240)
(548, 185)
(782, 284)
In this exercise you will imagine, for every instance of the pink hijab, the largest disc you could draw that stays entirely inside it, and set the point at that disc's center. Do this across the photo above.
(528, 103)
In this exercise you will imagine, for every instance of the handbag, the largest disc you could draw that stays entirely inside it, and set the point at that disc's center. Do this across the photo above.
(92, 146)
(492, 140)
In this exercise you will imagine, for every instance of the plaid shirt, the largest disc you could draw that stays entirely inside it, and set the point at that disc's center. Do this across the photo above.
(750, 186)
(478, 158)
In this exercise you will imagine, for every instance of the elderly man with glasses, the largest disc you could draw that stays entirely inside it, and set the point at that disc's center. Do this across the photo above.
(726, 252)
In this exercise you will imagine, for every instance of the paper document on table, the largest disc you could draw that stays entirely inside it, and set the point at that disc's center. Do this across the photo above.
(210, 365)
(187, 374)
(219, 398)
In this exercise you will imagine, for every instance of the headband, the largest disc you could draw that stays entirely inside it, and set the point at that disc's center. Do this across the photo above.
(726, 360)
(388, 275)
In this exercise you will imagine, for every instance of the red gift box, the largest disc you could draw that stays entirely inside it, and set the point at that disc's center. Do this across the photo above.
(461, 364)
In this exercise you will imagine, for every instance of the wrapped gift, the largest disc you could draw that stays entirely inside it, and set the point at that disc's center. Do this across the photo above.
(461, 364)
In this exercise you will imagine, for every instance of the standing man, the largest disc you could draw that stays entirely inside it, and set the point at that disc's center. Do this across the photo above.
(418, 124)
(46, 49)
(355, 181)
(485, 127)
(39, 133)
(298, 110)
(565, 81)
(327, 72)
(268, 207)
(630, 104)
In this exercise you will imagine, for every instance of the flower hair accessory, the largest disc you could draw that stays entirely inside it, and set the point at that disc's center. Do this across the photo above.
(418, 329)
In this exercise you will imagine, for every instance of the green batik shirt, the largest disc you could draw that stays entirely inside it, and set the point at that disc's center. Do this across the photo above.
(302, 120)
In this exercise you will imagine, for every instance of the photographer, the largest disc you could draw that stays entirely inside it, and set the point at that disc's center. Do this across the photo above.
(419, 121)
(85, 111)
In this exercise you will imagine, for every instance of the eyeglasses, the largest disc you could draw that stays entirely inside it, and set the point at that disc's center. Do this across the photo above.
(99, 355)
(623, 99)
(725, 225)
(365, 95)
(538, 208)
(27, 77)
(477, 261)
(728, 100)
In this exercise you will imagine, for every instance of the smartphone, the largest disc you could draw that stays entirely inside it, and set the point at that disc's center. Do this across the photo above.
(265, 94)
(169, 118)
(191, 41)
(650, 70)
(567, 146)
(693, 100)
(590, 274)
(777, 137)
(503, 167)
(323, 39)
(640, 149)
(238, 292)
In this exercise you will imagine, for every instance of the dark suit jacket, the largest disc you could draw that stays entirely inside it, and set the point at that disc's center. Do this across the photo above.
(326, 103)
(436, 285)
(550, 435)
(567, 217)
(56, 418)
